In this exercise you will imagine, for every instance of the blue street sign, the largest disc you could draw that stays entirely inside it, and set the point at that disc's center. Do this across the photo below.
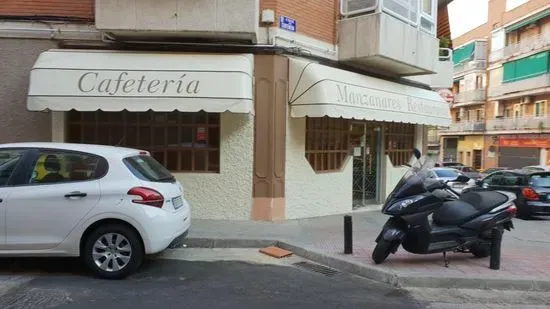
(287, 23)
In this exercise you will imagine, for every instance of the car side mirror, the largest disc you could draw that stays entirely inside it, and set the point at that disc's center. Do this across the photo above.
(479, 183)
(462, 178)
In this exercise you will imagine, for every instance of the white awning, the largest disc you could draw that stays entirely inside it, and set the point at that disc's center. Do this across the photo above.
(62, 80)
(317, 90)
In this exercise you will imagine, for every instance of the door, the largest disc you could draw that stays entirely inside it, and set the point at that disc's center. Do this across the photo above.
(61, 188)
(476, 163)
(10, 164)
(364, 141)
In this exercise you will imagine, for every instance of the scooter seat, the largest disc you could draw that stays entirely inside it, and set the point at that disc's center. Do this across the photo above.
(470, 205)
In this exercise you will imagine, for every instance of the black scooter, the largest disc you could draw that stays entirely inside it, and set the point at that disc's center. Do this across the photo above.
(460, 223)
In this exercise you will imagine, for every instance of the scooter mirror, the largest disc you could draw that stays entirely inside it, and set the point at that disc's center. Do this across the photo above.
(462, 178)
(417, 153)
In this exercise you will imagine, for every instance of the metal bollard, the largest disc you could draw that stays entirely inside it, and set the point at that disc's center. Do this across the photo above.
(348, 236)
(496, 240)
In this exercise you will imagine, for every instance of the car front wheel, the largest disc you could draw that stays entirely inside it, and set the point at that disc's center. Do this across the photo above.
(113, 251)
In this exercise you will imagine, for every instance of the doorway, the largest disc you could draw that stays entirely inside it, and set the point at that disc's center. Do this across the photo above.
(476, 163)
(364, 139)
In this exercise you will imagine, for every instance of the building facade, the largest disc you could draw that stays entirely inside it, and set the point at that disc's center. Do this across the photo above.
(262, 109)
(502, 89)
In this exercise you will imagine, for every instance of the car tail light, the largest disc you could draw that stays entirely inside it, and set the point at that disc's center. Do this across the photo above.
(148, 197)
(530, 194)
(512, 210)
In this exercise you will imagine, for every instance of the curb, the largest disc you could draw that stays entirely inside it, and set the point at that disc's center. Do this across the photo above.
(200, 242)
(372, 272)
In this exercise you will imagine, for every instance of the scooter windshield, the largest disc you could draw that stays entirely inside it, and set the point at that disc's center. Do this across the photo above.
(414, 179)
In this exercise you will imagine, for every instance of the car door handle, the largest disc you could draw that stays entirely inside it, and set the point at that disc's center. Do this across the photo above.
(75, 194)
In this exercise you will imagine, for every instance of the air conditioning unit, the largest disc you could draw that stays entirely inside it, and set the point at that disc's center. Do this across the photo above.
(525, 100)
(352, 7)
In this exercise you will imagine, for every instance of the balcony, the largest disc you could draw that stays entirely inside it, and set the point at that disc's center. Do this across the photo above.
(443, 77)
(527, 45)
(466, 126)
(541, 81)
(465, 67)
(387, 44)
(477, 96)
(235, 20)
(525, 123)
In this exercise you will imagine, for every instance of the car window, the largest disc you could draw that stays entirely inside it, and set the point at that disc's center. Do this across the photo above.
(511, 179)
(446, 173)
(148, 169)
(65, 166)
(493, 179)
(540, 180)
(9, 159)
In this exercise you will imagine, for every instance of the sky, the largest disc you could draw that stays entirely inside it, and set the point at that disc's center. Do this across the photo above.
(465, 15)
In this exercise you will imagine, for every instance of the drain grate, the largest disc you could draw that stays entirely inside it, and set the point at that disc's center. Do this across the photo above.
(327, 271)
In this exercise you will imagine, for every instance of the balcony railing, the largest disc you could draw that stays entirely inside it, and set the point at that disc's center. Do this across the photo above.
(469, 66)
(478, 95)
(467, 126)
(526, 45)
(524, 123)
(521, 85)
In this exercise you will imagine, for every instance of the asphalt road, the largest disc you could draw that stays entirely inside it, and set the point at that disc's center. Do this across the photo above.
(60, 283)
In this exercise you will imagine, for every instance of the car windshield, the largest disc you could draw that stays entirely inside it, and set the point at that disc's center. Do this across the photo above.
(540, 180)
(147, 168)
(446, 173)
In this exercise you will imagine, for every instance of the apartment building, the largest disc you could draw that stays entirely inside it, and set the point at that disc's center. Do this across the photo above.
(263, 109)
(502, 89)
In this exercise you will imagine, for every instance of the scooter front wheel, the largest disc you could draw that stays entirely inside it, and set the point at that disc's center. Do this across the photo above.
(382, 250)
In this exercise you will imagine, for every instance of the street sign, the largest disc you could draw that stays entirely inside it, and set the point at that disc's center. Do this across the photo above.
(287, 23)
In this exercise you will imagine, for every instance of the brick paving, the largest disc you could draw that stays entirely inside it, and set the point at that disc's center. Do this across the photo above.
(525, 250)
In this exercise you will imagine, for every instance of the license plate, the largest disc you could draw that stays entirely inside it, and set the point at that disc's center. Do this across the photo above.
(177, 202)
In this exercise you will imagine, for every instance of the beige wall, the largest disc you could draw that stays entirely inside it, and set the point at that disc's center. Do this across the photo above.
(311, 194)
(17, 56)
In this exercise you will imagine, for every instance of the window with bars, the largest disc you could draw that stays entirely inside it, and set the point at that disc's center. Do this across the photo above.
(327, 143)
(399, 142)
(182, 142)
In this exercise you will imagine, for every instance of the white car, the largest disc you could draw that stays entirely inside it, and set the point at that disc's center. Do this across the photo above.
(109, 205)
(450, 174)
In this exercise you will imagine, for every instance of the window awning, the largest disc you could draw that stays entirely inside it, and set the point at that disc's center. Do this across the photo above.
(63, 80)
(464, 53)
(317, 90)
(528, 21)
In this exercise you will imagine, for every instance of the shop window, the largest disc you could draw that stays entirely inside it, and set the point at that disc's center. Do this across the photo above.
(182, 142)
(399, 142)
(327, 143)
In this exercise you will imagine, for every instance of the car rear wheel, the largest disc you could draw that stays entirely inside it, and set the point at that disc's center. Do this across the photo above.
(113, 251)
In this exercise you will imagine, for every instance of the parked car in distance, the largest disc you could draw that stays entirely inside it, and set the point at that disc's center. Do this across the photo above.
(531, 188)
(450, 174)
(468, 171)
(109, 205)
(536, 168)
(484, 173)
(448, 164)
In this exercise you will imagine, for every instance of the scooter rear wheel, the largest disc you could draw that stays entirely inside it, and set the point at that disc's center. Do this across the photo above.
(382, 251)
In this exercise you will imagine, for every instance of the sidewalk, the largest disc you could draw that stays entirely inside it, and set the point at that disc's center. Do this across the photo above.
(525, 261)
